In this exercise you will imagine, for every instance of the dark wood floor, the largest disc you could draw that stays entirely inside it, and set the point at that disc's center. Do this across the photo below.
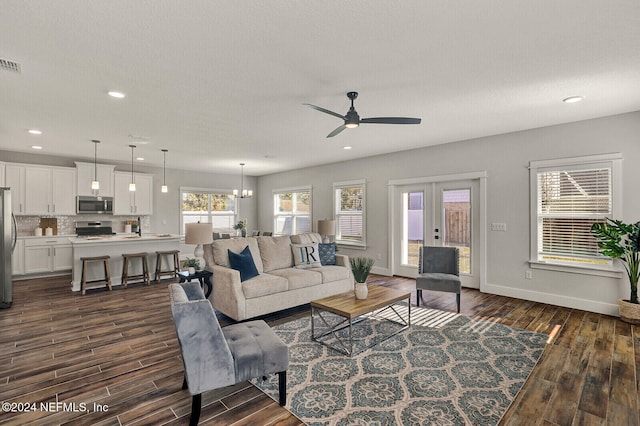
(118, 350)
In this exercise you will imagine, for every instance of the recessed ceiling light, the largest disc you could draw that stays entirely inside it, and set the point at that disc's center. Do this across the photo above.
(35, 131)
(572, 99)
(140, 158)
(115, 94)
(36, 147)
(346, 147)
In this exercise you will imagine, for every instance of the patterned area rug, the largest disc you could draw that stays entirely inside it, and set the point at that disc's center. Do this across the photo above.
(446, 369)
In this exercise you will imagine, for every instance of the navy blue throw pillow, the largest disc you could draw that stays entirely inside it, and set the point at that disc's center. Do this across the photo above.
(244, 263)
(327, 253)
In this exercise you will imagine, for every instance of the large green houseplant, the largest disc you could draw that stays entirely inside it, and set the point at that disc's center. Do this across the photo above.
(619, 240)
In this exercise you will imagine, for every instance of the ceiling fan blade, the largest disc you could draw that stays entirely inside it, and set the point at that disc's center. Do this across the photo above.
(326, 111)
(391, 120)
(336, 131)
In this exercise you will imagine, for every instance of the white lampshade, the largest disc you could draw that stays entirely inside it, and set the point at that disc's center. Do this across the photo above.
(95, 184)
(326, 227)
(198, 233)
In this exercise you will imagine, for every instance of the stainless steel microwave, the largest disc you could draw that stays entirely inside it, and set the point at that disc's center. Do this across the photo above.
(94, 205)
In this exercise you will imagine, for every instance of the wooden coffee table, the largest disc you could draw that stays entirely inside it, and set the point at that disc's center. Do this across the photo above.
(353, 310)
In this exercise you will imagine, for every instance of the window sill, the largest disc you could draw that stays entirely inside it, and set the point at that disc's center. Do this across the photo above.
(351, 246)
(600, 272)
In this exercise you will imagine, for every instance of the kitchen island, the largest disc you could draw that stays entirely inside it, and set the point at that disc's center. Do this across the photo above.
(115, 246)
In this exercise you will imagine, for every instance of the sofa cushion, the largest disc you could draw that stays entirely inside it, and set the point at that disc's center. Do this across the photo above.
(332, 273)
(327, 254)
(299, 278)
(264, 285)
(236, 245)
(275, 252)
(243, 262)
(306, 256)
(306, 238)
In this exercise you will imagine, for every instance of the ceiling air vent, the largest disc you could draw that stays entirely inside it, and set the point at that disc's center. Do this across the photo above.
(8, 65)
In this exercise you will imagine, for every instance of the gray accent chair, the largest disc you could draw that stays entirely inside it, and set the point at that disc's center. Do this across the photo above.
(215, 357)
(438, 271)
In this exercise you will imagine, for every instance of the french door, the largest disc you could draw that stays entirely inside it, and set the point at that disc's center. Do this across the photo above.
(437, 214)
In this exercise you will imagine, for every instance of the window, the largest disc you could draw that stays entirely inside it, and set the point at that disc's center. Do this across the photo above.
(349, 208)
(213, 206)
(292, 211)
(569, 196)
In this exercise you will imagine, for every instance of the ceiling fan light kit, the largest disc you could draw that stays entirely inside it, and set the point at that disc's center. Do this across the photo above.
(353, 120)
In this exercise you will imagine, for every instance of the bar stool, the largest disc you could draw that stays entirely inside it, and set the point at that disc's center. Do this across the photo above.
(107, 274)
(125, 268)
(176, 264)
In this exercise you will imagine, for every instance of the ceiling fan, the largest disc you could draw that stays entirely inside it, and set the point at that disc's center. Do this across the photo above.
(352, 119)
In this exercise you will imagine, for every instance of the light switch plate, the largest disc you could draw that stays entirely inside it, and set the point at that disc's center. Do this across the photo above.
(499, 227)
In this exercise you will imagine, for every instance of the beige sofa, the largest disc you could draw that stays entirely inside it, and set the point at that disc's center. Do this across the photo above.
(279, 284)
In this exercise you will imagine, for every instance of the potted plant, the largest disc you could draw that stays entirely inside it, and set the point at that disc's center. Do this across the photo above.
(192, 264)
(361, 266)
(619, 240)
(242, 227)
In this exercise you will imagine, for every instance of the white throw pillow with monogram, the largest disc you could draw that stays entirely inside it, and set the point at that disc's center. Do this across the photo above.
(306, 255)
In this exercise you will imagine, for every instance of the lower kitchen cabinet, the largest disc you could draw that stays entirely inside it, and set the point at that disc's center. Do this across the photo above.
(47, 254)
(17, 258)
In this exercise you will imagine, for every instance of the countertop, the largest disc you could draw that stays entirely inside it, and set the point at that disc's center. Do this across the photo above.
(122, 238)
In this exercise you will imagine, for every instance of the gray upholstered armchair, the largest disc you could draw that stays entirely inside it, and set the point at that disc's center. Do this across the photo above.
(216, 357)
(438, 271)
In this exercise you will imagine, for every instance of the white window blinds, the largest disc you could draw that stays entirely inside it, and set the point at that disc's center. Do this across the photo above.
(570, 201)
(349, 205)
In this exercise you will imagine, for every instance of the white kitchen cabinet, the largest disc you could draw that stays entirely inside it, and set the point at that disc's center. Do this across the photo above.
(50, 190)
(17, 258)
(138, 202)
(86, 173)
(14, 179)
(47, 254)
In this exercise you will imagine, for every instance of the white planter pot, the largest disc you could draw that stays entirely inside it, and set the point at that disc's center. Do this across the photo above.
(362, 291)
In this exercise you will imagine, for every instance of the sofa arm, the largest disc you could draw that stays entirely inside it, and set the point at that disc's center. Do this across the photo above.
(343, 260)
(227, 295)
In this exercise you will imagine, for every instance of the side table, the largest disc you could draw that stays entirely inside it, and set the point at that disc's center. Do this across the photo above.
(203, 276)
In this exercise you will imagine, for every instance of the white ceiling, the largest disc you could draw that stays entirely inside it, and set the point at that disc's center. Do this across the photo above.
(223, 82)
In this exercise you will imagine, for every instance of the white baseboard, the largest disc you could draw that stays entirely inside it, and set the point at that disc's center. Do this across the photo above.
(553, 299)
(381, 271)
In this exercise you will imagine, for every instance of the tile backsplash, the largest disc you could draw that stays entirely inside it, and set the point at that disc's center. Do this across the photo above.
(67, 224)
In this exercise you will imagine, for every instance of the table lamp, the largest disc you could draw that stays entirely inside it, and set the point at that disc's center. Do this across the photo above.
(199, 234)
(326, 228)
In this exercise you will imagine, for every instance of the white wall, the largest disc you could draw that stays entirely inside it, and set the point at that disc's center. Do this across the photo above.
(505, 158)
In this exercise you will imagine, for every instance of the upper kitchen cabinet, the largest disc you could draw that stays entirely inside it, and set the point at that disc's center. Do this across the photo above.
(1, 174)
(86, 172)
(14, 179)
(49, 190)
(138, 202)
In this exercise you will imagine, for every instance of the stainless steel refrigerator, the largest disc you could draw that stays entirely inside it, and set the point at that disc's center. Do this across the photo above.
(8, 236)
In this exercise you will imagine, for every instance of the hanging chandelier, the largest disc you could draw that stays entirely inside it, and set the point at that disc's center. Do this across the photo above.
(164, 171)
(132, 185)
(243, 193)
(95, 184)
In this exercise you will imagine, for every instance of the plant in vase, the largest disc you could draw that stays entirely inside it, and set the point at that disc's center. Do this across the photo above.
(242, 227)
(361, 266)
(192, 265)
(619, 240)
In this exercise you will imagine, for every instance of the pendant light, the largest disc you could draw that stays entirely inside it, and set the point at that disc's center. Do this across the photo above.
(164, 171)
(132, 185)
(244, 193)
(95, 185)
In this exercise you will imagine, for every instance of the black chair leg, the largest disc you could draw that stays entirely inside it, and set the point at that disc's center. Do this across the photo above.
(458, 301)
(282, 387)
(196, 403)
(418, 296)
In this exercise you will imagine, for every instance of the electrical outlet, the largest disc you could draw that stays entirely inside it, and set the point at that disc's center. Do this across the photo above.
(499, 227)
(379, 256)
(528, 274)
